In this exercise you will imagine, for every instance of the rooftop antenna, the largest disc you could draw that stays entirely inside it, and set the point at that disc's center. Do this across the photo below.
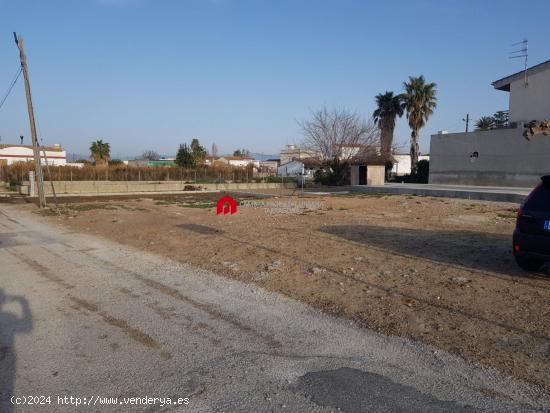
(521, 53)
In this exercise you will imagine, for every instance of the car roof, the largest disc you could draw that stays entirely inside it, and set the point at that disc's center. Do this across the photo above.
(545, 179)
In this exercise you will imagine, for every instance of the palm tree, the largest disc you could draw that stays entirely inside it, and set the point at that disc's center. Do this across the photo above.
(389, 106)
(100, 152)
(485, 123)
(419, 101)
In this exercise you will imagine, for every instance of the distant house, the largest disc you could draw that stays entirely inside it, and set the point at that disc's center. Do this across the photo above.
(209, 160)
(295, 153)
(54, 155)
(295, 168)
(402, 164)
(348, 152)
(269, 166)
(238, 162)
(356, 151)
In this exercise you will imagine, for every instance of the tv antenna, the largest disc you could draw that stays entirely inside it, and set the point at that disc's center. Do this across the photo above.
(521, 53)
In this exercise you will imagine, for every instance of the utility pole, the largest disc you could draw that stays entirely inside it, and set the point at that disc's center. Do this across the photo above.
(467, 120)
(35, 149)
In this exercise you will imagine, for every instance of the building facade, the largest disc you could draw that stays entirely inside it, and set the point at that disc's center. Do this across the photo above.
(500, 156)
(529, 97)
(54, 155)
(238, 162)
(295, 153)
(402, 164)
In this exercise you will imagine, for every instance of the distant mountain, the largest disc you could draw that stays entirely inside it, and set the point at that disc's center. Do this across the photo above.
(71, 156)
(263, 156)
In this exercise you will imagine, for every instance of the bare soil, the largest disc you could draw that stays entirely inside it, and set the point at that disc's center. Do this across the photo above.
(436, 270)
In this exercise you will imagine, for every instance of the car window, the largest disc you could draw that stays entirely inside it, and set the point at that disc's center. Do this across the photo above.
(540, 200)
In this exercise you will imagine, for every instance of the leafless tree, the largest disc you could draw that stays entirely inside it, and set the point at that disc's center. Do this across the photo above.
(340, 138)
(150, 155)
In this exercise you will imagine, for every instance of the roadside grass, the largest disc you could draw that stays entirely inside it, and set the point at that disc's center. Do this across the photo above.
(363, 195)
(187, 204)
(90, 207)
(72, 209)
(506, 215)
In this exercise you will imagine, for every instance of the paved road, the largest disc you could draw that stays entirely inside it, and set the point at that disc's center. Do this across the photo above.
(483, 193)
(85, 317)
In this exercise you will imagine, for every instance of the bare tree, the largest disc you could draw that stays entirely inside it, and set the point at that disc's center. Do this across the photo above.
(150, 155)
(340, 135)
(340, 138)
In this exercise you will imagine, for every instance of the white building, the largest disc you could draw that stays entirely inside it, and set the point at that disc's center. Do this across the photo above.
(295, 153)
(269, 166)
(529, 100)
(54, 155)
(239, 162)
(500, 156)
(209, 160)
(402, 164)
(294, 168)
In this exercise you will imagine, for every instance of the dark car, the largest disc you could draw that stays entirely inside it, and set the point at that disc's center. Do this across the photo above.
(532, 233)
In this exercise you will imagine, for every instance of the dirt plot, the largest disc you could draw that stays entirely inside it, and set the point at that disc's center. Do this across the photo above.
(432, 269)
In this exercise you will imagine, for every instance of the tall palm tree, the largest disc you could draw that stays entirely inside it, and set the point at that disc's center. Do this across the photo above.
(485, 123)
(420, 101)
(100, 152)
(388, 107)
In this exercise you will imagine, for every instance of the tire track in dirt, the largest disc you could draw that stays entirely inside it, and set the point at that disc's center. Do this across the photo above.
(133, 333)
(174, 293)
(207, 308)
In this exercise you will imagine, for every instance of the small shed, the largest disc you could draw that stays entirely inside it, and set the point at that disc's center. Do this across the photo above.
(367, 174)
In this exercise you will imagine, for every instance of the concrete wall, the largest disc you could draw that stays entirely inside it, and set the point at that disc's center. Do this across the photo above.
(109, 187)
(505, 158)
(531, 102)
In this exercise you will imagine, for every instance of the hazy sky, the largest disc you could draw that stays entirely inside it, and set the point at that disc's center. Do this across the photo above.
(146, 74)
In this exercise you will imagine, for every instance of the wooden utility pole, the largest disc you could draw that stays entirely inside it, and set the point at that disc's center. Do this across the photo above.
(35, 147)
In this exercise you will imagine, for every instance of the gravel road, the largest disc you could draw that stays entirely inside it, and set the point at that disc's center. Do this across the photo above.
(84, 317)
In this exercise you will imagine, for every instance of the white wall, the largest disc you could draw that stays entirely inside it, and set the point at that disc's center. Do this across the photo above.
(241, 163)
(15, 154)
(531, 102)
(402, 165)
(292, 152)
(505, 158)
(294, 168)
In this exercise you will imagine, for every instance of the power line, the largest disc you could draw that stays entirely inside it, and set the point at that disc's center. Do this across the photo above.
(14, 81)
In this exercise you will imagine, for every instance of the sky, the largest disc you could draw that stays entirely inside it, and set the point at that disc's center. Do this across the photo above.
(151, 74)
